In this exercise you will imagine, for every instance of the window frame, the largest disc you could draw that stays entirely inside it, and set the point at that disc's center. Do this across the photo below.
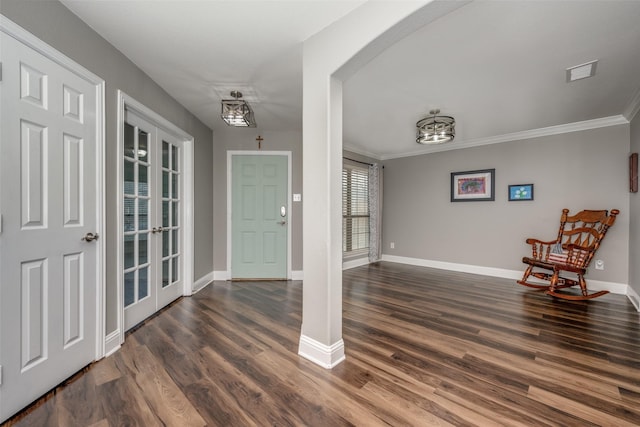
(348, 184)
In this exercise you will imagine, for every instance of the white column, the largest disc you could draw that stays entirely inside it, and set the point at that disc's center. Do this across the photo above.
(328, 58)
(321, 339)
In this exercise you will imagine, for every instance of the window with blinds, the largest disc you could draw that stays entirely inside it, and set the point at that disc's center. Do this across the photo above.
(355, 210)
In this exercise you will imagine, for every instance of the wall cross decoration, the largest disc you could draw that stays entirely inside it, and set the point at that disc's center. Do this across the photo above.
(259, 139)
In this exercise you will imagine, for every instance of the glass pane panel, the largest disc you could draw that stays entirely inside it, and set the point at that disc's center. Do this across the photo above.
(165, 214)
(129, 214)
(174, 269)
(129, 142)
(143, 283)
(165, 184)
(129, 177)
(143, 214)
(165, 243)
(165, 273)
(129, 251)
(174, 218)
(143, 248)
(174, 241)
(174, 158)
(165, 154)
(174, 186)
(143, 144)
(143, 180)
(129, 288)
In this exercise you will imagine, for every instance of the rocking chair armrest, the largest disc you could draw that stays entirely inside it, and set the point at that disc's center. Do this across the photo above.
(531, 241)
(540, 249)
(574, 247)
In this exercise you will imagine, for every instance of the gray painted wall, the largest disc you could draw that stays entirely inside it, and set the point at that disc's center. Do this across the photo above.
(580, 170)
(230, 139)
(56, 25)
(634, 214)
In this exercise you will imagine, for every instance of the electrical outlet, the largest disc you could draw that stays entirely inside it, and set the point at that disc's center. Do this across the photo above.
(392, 245)
(599, 264)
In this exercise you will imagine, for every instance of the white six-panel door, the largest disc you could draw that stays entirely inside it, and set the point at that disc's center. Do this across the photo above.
(49, 202)
(259, 215)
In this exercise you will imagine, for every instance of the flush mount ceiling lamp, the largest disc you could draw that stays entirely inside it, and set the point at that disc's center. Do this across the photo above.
(237, 112)
(435, 129)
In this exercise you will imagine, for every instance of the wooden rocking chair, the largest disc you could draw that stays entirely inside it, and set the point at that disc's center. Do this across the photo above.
(578, 240)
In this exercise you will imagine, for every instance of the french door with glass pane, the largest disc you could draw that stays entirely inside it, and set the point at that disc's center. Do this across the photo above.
(152, 220)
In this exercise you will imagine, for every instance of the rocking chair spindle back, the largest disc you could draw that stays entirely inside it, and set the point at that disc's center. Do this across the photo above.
(579, 237)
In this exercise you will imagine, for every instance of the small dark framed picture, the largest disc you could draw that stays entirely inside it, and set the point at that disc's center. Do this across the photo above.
(473, 186)
(520, 192)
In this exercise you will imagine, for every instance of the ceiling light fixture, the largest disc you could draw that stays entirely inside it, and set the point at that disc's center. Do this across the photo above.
(237, 112)
(436, 129)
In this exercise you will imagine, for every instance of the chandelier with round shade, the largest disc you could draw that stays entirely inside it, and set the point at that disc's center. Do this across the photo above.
(435, 129)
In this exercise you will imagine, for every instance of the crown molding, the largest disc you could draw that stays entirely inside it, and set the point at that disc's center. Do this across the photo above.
(356, 150)
(517, 136)
(633, 107)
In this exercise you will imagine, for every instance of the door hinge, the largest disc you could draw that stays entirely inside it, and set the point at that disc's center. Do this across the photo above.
(0, 71)
(0, 374)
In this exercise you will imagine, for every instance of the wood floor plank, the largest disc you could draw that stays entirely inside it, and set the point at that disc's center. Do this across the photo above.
(481, 405)
(605, 371)
(564, 376)
(423, 347)
(412, 413)
(323, 401)
(164, 397)
(105, 372)
(578, 408)
(122, 402)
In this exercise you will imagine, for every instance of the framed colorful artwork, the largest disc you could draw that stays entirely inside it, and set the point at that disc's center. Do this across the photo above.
(520, 192)
(473, 186)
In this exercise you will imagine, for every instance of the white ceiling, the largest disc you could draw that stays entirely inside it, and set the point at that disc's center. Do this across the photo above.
(498, 67)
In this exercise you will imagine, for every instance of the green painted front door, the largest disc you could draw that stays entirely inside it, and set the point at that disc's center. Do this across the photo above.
(259, 216)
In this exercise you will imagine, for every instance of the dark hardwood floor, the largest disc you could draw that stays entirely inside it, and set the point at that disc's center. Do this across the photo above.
(424, 347)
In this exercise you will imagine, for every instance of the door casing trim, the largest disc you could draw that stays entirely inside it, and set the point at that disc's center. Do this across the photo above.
(230, 154)
(126, 102)
(12, 29)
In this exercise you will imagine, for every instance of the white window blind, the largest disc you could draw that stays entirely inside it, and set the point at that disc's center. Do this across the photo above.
(355, 209)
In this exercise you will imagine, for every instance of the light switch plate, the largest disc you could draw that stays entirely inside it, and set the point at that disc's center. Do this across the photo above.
(297, 197)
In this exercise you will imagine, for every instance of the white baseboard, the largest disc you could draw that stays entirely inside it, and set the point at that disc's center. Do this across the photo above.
(221, 275)
(112, 343)
(225, 275)
(594, 285)
(346, 265)
(633, 297)
(321, 354)
(202, 282)
(614, 288)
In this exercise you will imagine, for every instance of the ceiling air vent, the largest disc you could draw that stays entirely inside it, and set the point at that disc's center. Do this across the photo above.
(581, 71)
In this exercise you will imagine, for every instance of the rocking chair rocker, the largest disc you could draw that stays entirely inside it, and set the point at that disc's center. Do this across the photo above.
(579, 238)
